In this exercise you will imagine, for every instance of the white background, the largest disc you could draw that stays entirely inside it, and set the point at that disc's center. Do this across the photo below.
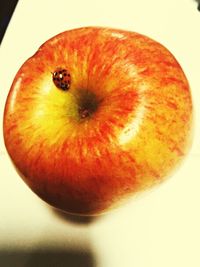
(159, 229)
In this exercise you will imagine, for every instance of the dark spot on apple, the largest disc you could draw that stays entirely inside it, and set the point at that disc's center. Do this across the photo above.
(87, 102)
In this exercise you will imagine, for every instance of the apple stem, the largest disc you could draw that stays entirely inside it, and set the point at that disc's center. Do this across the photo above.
(84, 113)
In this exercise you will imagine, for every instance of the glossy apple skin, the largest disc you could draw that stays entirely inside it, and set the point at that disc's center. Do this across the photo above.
(139, 133)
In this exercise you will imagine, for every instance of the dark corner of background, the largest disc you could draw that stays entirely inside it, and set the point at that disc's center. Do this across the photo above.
(6, 10)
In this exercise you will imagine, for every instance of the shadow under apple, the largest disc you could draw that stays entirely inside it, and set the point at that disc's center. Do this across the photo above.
(75, 219)
(46, 258)
(198, 1)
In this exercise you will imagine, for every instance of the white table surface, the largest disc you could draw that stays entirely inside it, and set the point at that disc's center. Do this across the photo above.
(159, 229)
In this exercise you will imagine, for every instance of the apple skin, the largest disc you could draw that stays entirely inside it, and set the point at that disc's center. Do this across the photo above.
(136, 132)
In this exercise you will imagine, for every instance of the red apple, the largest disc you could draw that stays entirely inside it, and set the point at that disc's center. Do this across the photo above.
(97, 115)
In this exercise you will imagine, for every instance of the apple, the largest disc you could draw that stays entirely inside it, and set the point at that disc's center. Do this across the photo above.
(96, 116)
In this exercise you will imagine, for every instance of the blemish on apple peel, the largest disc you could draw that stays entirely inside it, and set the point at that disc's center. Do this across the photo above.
(118, 35)
(45, 86)
(133, 127)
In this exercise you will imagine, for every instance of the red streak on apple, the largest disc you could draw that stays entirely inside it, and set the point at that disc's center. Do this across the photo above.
(123, 125)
